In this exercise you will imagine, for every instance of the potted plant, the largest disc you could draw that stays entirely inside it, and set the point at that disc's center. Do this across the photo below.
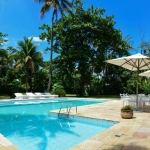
(127, 112)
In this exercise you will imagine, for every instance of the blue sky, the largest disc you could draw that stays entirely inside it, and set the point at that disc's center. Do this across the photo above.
(21, 18)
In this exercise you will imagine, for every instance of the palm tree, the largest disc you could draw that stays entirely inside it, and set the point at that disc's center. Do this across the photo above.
(7, 57)
(7, 62)
(2, 38)
(28, 58)
(57, 6)
(3, 62)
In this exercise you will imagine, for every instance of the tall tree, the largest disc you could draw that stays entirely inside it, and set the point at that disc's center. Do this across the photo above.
(57, 6)
(28, 57)
(7, 62)
(84, 40)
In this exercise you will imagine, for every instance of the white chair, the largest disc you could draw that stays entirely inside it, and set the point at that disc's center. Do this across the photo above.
(21, 96)
(132, 101)
(145, 101)
(140, 96)
(124, 99)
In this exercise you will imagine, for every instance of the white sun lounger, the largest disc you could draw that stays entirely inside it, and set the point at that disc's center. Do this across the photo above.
(31, 95)
(50, 95)
(21, 96)
(41, 95)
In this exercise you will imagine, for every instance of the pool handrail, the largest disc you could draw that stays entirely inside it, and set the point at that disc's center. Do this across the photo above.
(61, 108)
(68, 111)
(71, 107)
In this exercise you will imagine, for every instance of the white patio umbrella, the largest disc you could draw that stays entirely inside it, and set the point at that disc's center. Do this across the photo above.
(146, 73)
(134, 63)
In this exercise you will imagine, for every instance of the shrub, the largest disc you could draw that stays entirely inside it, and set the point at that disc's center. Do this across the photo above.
(58, 89)
(14, 86)
(127, 107)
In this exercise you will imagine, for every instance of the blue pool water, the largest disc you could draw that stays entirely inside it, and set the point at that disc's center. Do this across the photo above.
(39, 107)
(28, 126)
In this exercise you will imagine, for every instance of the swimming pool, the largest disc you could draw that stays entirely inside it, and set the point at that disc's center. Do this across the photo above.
(28, 126)
(39, 107)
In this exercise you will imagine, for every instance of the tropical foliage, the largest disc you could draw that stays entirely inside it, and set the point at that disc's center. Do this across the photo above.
(127, 107)
(58, 89)
(57, 6)
(84, 39)
(30, 60)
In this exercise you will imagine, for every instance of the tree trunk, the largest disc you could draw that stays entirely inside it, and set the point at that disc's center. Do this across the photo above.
(51, 56)
(81, 91)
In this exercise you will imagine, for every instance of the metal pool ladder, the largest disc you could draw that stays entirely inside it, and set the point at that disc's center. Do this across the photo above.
(68, 111)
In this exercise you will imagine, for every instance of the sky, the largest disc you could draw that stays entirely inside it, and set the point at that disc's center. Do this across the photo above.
(21, 18)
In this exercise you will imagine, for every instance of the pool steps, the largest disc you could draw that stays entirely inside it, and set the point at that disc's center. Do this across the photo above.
(92, 121)
(68, 110)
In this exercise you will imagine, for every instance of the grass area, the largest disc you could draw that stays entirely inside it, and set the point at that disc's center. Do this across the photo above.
(71, 95)
(116, 97)
(4, 97)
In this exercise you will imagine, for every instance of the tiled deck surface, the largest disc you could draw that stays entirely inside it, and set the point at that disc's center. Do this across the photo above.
(5, 144)
(128, 134)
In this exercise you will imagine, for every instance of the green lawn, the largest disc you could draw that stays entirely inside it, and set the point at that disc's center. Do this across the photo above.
(116, 97)
(4, 97)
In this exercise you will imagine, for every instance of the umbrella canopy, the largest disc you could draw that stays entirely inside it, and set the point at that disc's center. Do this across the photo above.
(146, 73)
(134, 63)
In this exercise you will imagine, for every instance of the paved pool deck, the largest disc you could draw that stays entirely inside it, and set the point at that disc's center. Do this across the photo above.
(128, 134)
(6, 144)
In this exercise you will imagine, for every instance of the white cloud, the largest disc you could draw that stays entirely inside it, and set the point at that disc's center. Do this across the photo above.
(11, 42)
(36, 39)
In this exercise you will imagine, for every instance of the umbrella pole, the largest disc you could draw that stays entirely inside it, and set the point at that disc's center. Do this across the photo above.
(137, 89)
